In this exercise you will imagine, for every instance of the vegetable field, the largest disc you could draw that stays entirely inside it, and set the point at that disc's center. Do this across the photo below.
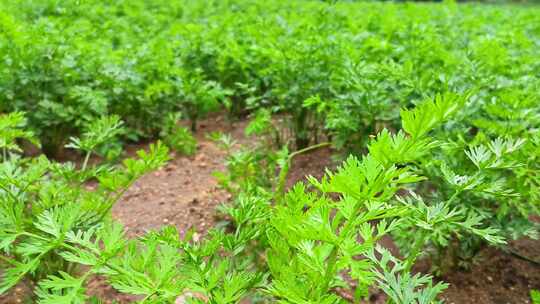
(254, 151)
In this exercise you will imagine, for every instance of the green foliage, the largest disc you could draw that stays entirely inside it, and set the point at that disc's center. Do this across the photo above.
(197, 96)
(471, 185)
(314, 236)
(466, 209)
(438, 105)
(251, 167)
(97, 132)
(48, 213)
(178, 138)
(12, 128)
(99, 136)
(400, 285)
(343, 71)
(254, 165)
(261, 124)
(535, 296)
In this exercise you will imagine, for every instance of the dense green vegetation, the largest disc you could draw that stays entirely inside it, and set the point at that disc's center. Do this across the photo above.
(434, 108)
(67, 62)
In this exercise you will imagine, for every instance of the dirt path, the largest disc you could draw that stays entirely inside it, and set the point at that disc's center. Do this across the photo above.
(184, 193)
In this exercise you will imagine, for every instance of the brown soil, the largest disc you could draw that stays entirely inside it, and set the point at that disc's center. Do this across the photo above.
(499, 278)
(184, 193)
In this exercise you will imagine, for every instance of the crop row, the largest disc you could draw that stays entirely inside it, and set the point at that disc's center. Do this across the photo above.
(68, 63)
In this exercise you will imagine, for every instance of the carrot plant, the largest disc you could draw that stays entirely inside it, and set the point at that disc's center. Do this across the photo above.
(197, 96)
(176, 137)
(479, 181)
(48, 211)
(12, 130)
(253, 166)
